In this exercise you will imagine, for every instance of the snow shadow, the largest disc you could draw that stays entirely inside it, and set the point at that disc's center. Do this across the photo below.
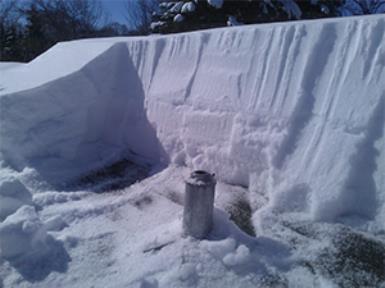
(107, 124)
(359, 196)
(242, 253)
(36, 266)
(115, 176)
(223, 228)
(303, 110)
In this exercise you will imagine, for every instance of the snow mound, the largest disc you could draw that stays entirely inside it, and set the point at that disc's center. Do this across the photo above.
(283, 109)
(25, 243)
(21, 233)
(13, 195)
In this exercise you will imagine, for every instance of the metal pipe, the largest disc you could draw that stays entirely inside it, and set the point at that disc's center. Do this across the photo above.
(199, 204)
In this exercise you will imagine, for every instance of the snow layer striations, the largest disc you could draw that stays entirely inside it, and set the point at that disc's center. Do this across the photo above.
(293, 111)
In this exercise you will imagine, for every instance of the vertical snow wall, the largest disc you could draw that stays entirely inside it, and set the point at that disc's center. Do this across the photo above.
(294, 111)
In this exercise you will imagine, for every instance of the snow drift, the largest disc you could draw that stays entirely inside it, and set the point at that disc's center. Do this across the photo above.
(294, 111)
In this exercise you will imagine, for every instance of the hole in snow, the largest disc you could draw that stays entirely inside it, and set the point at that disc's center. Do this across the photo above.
(200, 172)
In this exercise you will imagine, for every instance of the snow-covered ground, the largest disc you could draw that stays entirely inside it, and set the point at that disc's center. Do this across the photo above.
(290, 117)
(9, 65)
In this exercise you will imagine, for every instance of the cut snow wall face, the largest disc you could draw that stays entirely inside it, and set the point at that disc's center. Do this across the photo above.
(291, 110)
(286, 109)
(294, 111)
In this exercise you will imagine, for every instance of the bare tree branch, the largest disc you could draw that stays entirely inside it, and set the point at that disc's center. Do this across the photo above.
(138, 14)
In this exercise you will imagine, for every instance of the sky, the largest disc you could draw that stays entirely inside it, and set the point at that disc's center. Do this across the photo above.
(115, 9)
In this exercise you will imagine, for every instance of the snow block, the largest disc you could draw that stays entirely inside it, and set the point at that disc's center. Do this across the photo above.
(13, 195)
(25, 244)
(22, 233)
(80, 122)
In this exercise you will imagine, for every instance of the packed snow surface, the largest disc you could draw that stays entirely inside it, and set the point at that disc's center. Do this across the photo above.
(9, 65)
(290, 117)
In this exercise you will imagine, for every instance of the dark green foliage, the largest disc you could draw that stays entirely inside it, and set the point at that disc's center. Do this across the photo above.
(320, 8)
(360, 7)
(11, 43)
(245, 12)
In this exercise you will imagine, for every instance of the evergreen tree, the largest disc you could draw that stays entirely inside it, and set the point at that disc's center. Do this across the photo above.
(312, 9)
(37, 39)
(364, 7)
(178, 16)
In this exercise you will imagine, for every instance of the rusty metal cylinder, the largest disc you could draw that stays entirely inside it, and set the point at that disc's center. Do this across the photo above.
(199, 204)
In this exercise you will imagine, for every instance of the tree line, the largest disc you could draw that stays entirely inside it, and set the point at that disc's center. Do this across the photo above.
(27, 29)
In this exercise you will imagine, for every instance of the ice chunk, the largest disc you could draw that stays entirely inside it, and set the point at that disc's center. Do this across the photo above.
(240, 256)
(220, 248)
(25, 244)
(13, 195)
(22, 233)
(55, 224)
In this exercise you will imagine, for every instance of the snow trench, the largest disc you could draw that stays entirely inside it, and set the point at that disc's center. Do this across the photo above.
(293, 111)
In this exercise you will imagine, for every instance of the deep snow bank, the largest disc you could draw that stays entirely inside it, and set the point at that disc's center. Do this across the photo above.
(80, 121)
(295, 111)
(10, 65)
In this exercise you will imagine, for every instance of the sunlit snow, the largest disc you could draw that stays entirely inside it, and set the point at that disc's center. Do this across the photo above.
(98, 135)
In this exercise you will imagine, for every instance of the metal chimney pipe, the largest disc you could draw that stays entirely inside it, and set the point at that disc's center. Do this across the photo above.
(199, 204)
